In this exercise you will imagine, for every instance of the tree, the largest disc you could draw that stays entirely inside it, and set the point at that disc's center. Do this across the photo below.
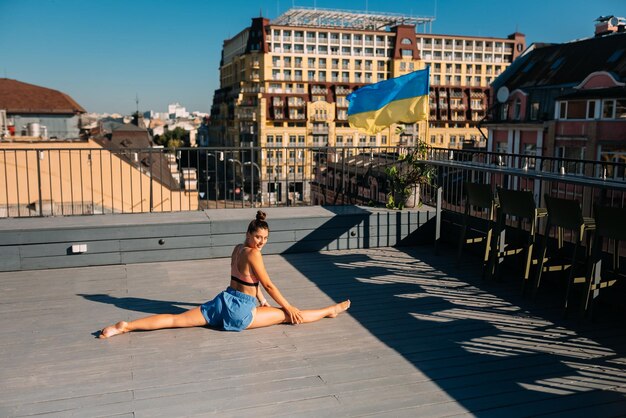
(173, 139)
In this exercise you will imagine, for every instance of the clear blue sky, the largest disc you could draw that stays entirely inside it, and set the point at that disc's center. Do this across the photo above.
(103, 52)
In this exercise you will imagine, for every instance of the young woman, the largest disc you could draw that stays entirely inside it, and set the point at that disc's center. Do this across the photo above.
(235, 308)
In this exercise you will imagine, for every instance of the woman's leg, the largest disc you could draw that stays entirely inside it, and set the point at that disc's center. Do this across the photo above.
(190, 318)
(266, 316)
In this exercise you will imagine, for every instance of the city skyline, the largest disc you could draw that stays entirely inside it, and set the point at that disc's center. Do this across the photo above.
(105, 55)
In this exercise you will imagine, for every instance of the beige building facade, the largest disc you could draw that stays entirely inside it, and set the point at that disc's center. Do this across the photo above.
(284, 83)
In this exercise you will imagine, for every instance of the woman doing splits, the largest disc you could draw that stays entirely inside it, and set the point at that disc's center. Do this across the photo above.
(235, 308)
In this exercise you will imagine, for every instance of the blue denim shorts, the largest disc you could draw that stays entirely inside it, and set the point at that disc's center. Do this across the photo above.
(230, 310)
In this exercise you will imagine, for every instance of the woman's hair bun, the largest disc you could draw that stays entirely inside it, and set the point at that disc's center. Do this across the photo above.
(260, 215)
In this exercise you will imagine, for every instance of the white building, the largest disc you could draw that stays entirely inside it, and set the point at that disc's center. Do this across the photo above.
(175, 111)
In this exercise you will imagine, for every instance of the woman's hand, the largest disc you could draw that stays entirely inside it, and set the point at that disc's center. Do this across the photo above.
(294, 315)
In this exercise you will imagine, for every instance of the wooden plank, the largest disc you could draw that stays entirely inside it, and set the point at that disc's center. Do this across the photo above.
(175, 254)
(10, 259)
(65, 248)
(75, 260)
(167, 243)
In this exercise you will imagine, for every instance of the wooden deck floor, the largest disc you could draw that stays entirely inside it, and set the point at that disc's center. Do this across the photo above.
(422, 338)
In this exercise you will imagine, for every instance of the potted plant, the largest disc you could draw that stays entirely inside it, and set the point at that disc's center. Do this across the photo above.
(405, 176)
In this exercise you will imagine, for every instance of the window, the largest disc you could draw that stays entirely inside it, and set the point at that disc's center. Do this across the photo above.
(270, 139)
(433, 139)
(406, 41)
(407, 53)
(611, 155)
(383, 139)
(339, 139)
(607, 109)
(279, 139)
(591, 109)
(620, 109)
(372, 139)
(517, 109)
(562, 110)
(576, 153)
(534, 110)
(531, 151)
(292, 139)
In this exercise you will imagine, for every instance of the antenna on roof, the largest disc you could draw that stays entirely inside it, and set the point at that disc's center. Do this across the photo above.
(137, 102)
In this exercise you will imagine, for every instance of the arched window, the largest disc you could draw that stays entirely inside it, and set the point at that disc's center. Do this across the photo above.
(406, 41)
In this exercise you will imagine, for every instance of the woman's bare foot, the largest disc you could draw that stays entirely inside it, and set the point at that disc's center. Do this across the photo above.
(112, 330)
(339, 308)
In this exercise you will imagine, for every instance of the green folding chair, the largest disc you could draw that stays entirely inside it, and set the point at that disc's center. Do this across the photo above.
(477, 196)
(517, 205)
(611, 225)
(564, 215)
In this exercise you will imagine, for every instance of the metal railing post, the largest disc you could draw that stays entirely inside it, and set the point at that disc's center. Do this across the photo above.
(438, 219)
(38, 157)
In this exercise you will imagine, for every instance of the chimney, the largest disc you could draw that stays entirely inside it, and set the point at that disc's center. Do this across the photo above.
(609, 24)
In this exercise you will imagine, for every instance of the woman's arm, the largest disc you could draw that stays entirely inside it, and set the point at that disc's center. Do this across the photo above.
(256, 262)
(261, 298)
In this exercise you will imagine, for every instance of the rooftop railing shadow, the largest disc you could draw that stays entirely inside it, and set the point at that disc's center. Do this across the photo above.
(494, 352)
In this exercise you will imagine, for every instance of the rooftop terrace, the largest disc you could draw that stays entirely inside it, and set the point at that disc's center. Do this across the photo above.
(422, 338)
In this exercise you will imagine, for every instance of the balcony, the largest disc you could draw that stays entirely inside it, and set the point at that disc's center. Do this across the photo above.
(319, 90)
(323, 130)
(432, 336)
(342, 91)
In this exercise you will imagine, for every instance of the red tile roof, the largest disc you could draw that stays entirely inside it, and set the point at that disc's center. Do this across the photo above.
(18, 97)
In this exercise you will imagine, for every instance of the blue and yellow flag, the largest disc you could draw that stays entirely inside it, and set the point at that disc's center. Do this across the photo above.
(403, 99)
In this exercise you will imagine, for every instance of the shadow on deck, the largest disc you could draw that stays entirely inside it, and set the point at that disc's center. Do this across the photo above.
(483, 345)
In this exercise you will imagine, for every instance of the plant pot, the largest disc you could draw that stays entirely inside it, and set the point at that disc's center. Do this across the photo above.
(413, 200)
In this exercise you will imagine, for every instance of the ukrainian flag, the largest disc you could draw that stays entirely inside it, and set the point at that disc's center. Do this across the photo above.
(403, 99)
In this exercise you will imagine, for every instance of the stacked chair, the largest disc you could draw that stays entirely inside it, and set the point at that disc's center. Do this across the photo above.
(516, 206)
(564, 215)
(479, 197)
(610, 224)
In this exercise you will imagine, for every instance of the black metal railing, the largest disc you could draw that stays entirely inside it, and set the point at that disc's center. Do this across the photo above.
(80, 181)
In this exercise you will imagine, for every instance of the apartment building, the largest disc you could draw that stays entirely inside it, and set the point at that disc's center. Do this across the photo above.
(553, 103)
(283, 83)
(462, 69)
